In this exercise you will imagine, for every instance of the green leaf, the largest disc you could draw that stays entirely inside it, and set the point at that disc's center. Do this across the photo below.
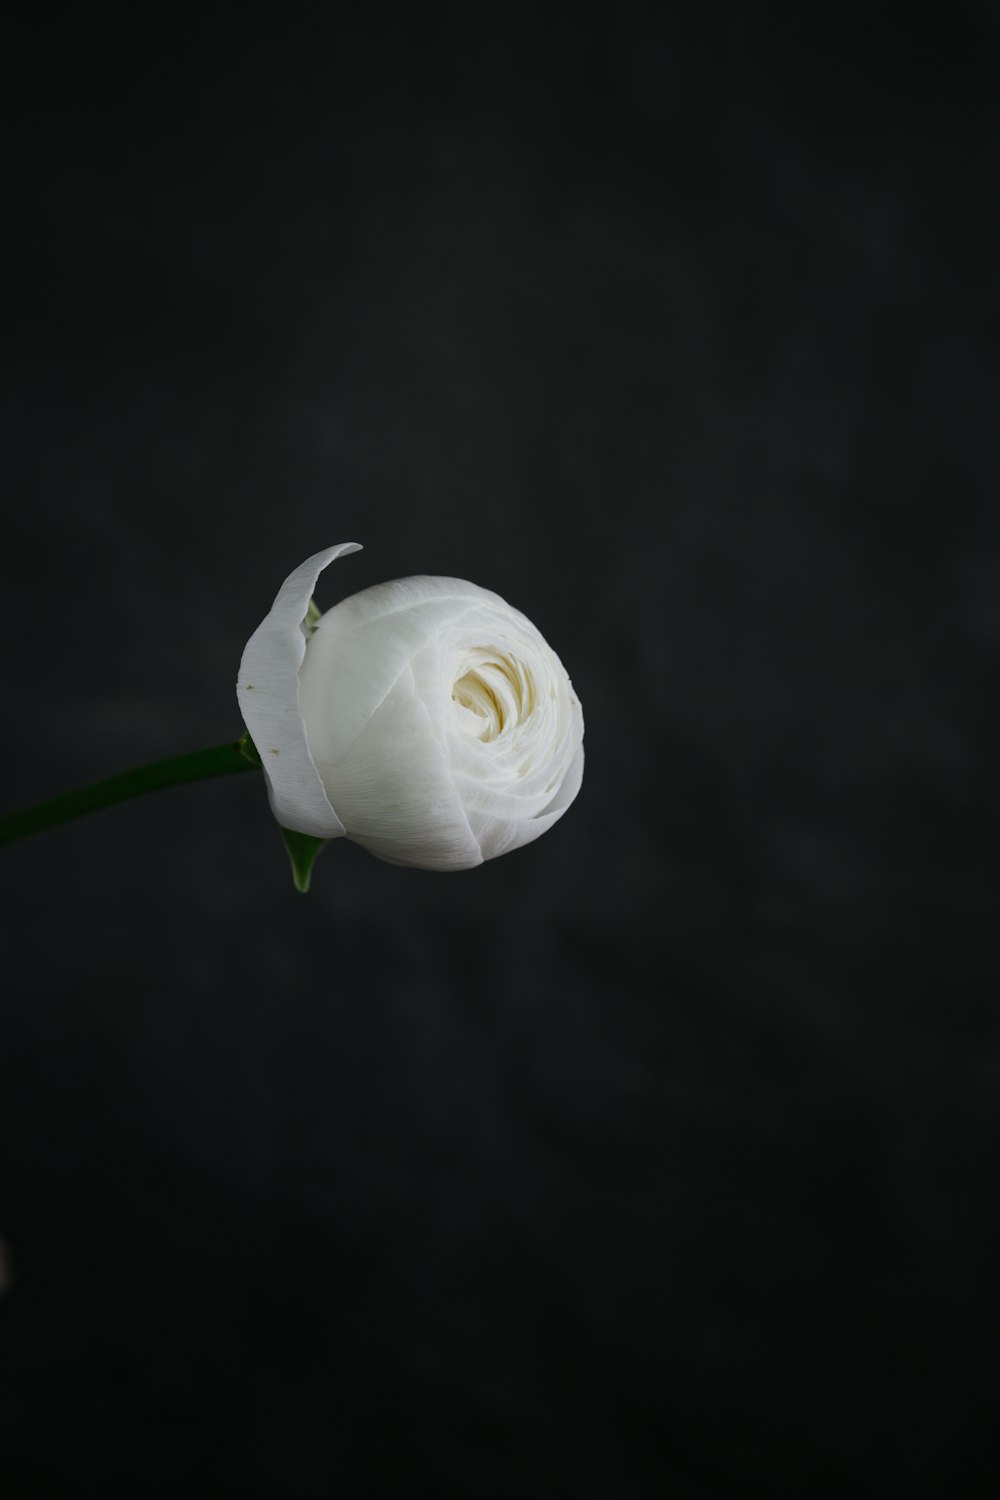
(303, 851)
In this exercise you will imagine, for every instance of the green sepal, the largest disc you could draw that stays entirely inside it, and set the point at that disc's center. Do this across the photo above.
(245, 746)
(303, 851)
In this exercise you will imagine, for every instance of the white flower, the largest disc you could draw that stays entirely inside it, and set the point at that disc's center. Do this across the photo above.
(424, 719)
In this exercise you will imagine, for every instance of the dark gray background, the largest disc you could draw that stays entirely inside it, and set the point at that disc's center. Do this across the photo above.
(656, 1158)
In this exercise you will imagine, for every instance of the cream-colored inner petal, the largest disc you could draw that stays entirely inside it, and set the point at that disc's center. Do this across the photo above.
(493, 692)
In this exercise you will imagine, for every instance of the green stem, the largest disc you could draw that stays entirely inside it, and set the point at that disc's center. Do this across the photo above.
(197, 765)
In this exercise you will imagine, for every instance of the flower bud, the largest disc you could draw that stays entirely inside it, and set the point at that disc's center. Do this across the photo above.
(425, 719)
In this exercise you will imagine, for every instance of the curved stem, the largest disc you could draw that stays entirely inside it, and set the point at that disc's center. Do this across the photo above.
(197, 765)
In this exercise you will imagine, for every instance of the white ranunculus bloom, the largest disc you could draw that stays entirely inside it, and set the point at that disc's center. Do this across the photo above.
(425, 719)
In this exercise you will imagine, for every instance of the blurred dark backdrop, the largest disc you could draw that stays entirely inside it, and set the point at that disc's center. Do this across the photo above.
(658, 1158)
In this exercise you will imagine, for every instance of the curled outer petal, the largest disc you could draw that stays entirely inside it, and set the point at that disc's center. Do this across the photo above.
(268, 694)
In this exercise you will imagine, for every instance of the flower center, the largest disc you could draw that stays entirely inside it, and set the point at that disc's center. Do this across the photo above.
(494, 687)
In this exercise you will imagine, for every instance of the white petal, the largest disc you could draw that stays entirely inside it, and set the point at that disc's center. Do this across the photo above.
(395, 792)
(268, 694)
(499, 835)
(362, 645)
